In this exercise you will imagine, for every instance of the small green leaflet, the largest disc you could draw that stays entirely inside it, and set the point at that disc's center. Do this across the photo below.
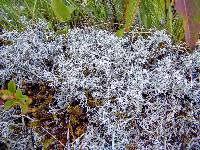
(120, 32)
(24, 108)
(12, 86)
(62, 12)
(19, 93)
(9, 103)
(20, 96)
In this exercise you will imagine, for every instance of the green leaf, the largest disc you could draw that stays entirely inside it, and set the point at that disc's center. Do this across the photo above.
(9, 103)
(12, 86)
(62, 12)
(20, 96)
(24, 108)
(28, 100)
(131, 11)
(120, 32)
(24, 98)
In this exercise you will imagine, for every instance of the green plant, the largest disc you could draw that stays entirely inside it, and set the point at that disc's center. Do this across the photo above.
(98, 9)
(152, 13)
(13, 97)
(62, 11)
(114, 15)
(160, 14)
(129, 16)
(31, 9)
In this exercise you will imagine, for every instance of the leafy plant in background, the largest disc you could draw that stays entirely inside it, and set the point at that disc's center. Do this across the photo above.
(116, 15)
(129, 16)
(13, 97)
(130, 13)
(9, 17)
(152, 13)
(98, 9)
(62, 11)
(32, 9)
(104, 14)
(190, 11)
(161, 14)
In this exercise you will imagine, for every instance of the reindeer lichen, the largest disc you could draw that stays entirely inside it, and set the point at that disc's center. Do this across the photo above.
(137, 91)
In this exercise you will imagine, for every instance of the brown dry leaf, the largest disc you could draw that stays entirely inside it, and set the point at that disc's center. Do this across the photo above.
(80, 130)
(129, 147)
(75, 110)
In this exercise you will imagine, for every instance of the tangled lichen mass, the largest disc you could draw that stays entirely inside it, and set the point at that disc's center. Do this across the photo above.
(102, 91)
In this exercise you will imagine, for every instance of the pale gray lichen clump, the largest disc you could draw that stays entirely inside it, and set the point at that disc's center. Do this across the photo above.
(151, 83)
